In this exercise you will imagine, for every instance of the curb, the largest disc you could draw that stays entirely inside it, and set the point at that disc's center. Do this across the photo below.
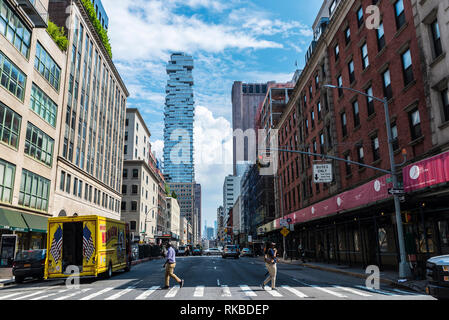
(136, 262)
(357, 275)
(7, 283)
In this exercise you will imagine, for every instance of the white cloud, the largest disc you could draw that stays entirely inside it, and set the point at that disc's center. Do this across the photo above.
(157, 147)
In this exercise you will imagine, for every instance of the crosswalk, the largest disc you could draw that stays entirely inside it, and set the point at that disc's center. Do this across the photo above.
(140, 292)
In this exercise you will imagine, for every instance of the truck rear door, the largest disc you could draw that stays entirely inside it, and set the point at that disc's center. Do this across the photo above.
(54, 254)
(89, 245)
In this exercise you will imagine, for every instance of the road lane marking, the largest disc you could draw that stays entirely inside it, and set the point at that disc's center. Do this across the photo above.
(295, 292)
(248, 291)
(199, 291)
(10, 295)
(274, 293)
(225, 291)
(218, 282)
(378, 291)
(50, 295)
(120, 293)
(73, 294)
(323, 289)
(173, 291)
(147, 293)
(96, 294)
(360, 293)
(30, 295)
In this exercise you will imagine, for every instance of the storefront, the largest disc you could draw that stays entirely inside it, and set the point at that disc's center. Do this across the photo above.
(20, 231)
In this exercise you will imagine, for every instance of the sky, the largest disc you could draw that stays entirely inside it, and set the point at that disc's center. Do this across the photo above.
(232, 40)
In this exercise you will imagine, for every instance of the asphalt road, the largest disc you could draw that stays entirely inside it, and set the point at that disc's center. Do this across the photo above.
(211, 278)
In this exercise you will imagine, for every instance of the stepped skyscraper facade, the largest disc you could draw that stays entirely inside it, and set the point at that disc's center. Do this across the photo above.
(179, 116)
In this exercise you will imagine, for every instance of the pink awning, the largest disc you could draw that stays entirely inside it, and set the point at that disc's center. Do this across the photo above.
(426, 173)
(368, 193)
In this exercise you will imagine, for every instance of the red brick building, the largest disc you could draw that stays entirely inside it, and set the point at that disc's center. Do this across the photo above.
(351, 220)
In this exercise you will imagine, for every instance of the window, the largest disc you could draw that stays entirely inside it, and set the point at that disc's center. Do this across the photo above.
(356, 113)
(394, 131)
(365, 59)
(135, 173)
(361, 155)
(47, 67)
(351, 71)
(386, 80)
(415, 124)
(125, 173)
(347, 35)
(133, 225)
(7, 174)
(133, 205)
(39, 145)
(124, 189)
(68, 183)
(43, 105)
(62, 182)
(340, 84)
(344, 124)
(126, 122)
(360, 16)
(337, 52)
(436, 37)
(34, 191)
(123, 206)
(375, 148)
(407, 67)
(445, 100)
(14, 30)
(10, 123)
(399, 13)
(319, 110)
(75, 186)
(348, 165)
(134, 189)
(12, 79)
(312, 118)
(370, 101)
(125, 151)
(126, 135)
(380, 37)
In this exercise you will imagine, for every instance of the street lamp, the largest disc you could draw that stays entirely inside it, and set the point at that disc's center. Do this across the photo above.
(144, 232)
(404, 268)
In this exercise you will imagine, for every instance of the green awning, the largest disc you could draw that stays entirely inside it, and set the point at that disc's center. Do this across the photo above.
(12, 220)
(35, 223)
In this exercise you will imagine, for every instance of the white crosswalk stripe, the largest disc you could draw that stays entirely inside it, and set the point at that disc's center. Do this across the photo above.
(96, 294)
(172, 293)
(339, 295)
(248, 291)
(357, 292)
(121, 293)
(225, 291)
(73, 294)
(10, 295)
(50, 295)
(378, 291)
(295, 292)
(199, 291)
(274, 293)
(30, 295)
(147, 293)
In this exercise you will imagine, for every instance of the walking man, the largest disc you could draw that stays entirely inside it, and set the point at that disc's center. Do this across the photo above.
(170, 265)
(270, 263)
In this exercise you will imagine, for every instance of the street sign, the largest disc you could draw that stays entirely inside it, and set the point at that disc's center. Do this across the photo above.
(250, 239)
(322, 172)
(289, 220)
(285, 232)
(292, 227)
(399, 192)
(283, 222)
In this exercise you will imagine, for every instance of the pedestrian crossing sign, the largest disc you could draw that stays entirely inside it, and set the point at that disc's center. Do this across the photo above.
(285, 232)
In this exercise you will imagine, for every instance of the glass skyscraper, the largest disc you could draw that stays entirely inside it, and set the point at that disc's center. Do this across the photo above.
(179, 117)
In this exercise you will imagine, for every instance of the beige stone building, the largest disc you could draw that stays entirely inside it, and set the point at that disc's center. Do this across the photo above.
(174, 216)
(32, 69)
(90, 157)
(140, 185)
(432, 27)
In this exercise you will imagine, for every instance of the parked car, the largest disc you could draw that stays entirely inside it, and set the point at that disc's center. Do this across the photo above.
(230, 251)
(181, 251)
(246, 252)
(438, 277)
(197, 252)
(29, 263)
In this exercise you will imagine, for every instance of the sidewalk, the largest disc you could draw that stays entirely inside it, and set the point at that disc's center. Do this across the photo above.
(6, 277)
(386, 277)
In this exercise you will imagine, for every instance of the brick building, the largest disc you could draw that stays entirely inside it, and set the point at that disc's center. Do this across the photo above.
(351, 220)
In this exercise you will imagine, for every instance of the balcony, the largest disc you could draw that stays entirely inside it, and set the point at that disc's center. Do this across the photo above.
(35, 11)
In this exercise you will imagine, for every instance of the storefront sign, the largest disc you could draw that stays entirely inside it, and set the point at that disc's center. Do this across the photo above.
(426, 173)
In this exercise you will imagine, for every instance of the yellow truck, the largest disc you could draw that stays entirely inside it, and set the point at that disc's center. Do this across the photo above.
(95, 245)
